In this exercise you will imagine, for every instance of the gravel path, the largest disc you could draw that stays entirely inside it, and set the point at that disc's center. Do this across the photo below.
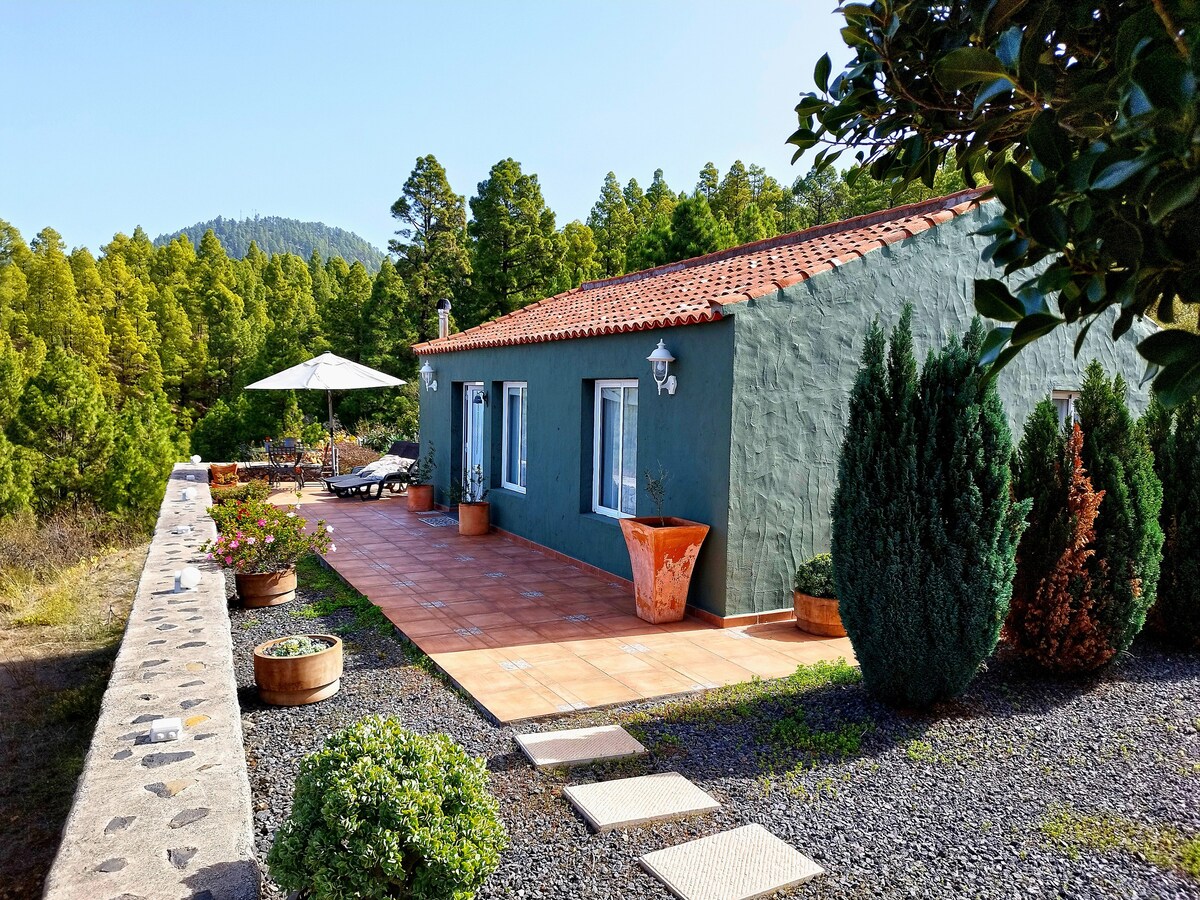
(951, 805)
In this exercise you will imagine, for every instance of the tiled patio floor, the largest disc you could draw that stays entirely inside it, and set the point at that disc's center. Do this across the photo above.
(528, 635)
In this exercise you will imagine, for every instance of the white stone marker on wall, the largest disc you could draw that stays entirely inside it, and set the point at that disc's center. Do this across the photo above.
(741, 864)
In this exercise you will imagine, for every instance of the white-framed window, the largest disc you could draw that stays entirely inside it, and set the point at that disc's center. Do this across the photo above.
(1065, 402)
(614, 458)
(515, 414)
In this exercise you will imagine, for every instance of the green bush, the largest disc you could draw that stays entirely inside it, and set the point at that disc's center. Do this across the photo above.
(1175, 439)
(381, 812)
(925, 528)
(815, 577)
(256, 489)
(1116, 454)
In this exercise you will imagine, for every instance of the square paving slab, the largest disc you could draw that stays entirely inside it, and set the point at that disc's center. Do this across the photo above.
(627, 802)
(741, 864)
(579, 746)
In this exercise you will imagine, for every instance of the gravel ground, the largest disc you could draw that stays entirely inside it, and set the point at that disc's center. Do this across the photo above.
(946, 805)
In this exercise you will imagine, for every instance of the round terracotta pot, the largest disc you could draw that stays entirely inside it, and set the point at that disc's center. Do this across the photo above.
(420, 497)
(473, 518)
(297, 680)
(662, 553)
(257, 589)
(818, 615)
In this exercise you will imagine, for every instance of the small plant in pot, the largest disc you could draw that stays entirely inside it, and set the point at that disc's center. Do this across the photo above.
(815, 598)
(383, 812)
(296, 670)
(473, 509)
(420, 488)
(261, 544)
(662, 553)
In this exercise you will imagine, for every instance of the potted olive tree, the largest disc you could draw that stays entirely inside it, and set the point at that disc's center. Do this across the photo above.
(815, 598)
(300, 669)
(381, 811)
(473, 509)
(261, 544)
(662, 553)
(420, 488)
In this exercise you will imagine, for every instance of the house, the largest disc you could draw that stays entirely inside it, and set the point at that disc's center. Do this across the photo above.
(558, 404)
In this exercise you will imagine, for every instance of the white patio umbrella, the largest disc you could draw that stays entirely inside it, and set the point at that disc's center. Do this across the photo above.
(327, 373)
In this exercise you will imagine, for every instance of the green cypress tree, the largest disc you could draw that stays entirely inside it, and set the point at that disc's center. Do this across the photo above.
(612, 225)
(925, 528)
(694, 230)
(1129, 539)
(1175, 438)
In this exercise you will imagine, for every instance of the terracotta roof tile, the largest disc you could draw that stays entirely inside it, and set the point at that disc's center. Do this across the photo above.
(697, 290)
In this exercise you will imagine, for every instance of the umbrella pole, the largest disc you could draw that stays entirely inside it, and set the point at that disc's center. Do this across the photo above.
(333, 454)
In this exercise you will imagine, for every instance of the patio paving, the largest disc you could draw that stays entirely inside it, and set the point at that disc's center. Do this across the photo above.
(528, 635)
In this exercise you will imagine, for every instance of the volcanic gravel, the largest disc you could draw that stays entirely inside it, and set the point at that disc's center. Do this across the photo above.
(944, 804)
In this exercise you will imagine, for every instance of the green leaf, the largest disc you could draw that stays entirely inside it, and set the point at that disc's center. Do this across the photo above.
(821, 72)
(966, 66)
(1172, 194)
(994, 300)
(997, 339)
(1034, 326)
(990, 92)
(1118, 173)
(1048, 141)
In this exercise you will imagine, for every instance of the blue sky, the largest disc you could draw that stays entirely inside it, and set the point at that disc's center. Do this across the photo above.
(165, 114)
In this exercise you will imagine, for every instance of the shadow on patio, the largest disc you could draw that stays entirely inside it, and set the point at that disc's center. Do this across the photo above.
(527, 635)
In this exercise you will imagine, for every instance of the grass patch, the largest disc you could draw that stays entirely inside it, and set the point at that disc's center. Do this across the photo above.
(919, 751)
(736, 702)
(1161, 846)
(337, 595)
(793, 733)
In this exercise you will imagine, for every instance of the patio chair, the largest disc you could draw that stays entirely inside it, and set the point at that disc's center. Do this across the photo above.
(392, 471)
(315, 467)
(283, 462)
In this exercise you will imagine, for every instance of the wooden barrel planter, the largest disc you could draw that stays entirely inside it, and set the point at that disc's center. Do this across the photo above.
(420, 497)
(258, 589)
(818, 615)
(298, 680)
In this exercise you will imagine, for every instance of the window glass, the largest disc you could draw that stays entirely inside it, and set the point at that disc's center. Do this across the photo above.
(616, 448)
(515, 442)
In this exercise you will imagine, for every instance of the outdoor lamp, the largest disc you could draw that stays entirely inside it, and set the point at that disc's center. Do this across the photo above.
(189, 578)
(196, 458)
(426, 372)
(660, 362)
(187, 494)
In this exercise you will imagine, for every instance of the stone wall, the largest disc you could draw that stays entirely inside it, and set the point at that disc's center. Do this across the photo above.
(173, 819)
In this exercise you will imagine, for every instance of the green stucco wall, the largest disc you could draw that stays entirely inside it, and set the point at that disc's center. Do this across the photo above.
(688, 434)
(796, 353)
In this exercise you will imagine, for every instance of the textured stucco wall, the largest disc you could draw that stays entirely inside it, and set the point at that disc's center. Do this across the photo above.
(687, 434)
(796, 354)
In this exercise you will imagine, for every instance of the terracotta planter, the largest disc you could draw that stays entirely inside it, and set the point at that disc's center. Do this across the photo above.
(663, 553)
(266, 588)
(420, 497)
(473, 518)
(297, 680)
(817, 615)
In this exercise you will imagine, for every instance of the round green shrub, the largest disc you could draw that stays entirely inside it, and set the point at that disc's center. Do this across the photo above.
(383, 812)
(815, 577)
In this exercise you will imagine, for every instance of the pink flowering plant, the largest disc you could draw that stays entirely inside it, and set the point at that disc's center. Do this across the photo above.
(257, 536)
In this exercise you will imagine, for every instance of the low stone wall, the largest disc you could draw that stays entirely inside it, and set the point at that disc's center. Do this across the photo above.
(173, 819)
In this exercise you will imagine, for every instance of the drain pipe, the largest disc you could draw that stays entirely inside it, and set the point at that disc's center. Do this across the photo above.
(443, 309)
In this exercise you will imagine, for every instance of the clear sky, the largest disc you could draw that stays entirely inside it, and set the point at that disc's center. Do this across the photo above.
(168, 113)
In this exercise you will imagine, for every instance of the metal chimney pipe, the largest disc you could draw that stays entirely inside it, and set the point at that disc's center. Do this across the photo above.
(443, 310)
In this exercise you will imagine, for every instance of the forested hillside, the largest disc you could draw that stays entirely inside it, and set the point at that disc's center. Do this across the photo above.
(112, 367)
(275, 234)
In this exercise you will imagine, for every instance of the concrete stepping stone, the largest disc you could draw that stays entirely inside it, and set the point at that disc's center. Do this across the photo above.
(579, 746)
(627, 802)
(741, 864)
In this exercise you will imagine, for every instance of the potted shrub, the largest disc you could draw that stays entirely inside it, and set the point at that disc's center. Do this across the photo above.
(420, 489)
(261, 543)
(293, 671)
(381, 811)
(662, 553)
(815, 598)
(473, 509)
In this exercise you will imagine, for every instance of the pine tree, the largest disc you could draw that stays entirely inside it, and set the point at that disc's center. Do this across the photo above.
(823, 197)
(709, 183)
(924, 527)
(1175, 437)
(694, 230)
(133, 337)
(750, 225)
(516, 249)
(53, 311)
(143, 452)
(661, 198)
(217, 314)
(16, 487)
(612, 226)
(1054, 616)
(579, 256)
(637, 204)
(430, 243)
(1129, 540)
(734, 194)
(651, 246)
(342, 319)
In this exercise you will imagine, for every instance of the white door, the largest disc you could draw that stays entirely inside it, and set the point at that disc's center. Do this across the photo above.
(473, 444)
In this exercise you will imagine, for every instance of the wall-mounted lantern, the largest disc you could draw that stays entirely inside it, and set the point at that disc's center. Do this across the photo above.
(481, 398)
(426, 372)
(660, 364)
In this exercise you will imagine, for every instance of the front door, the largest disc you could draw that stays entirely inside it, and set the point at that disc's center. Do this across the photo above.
(473, 405)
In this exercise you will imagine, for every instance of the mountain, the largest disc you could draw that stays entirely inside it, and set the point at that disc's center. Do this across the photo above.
(275, 234)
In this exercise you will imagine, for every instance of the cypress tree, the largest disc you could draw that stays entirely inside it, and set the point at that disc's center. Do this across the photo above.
(924, 525)
(1175, 439)
(1129, 540)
